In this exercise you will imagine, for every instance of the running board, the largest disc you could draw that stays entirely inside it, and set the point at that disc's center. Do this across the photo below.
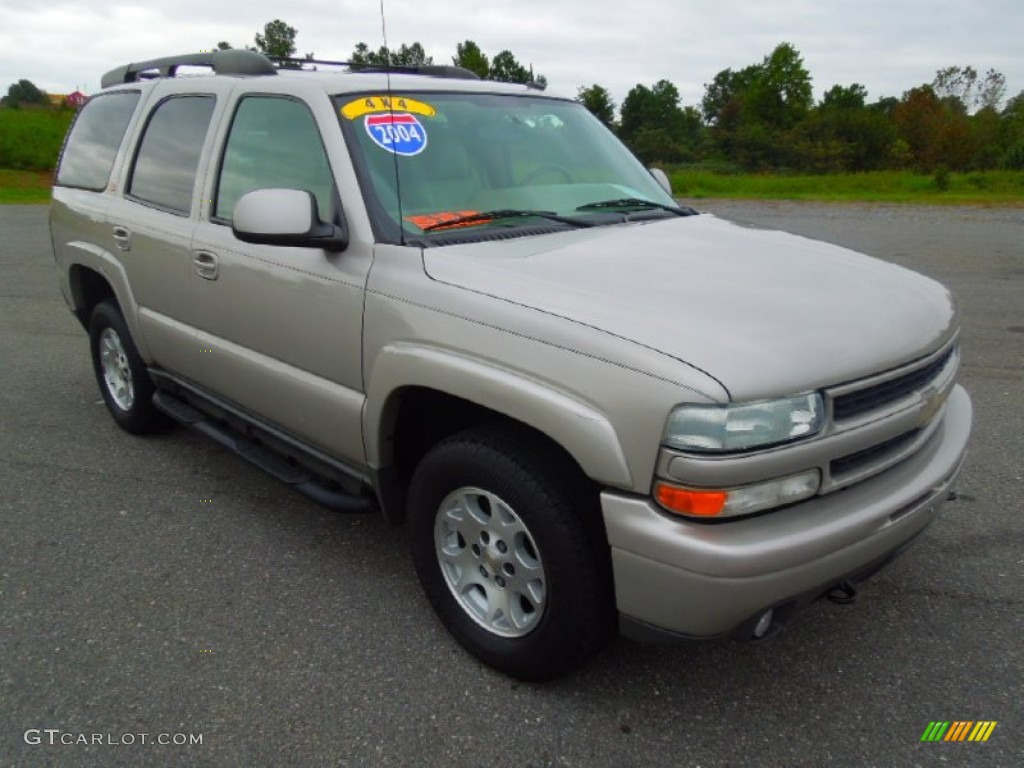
(302, 481)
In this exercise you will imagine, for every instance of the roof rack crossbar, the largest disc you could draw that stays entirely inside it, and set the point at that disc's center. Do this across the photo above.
(229, 62)
(430, 70)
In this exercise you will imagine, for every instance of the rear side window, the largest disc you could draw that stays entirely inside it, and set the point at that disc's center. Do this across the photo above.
(165, 164)
(93, 140)
(274, 142)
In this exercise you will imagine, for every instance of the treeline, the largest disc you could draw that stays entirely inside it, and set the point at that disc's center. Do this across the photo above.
(759, 118)
(278, 41)
(763, 117)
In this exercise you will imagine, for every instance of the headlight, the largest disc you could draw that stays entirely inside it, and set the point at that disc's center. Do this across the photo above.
(722, 428)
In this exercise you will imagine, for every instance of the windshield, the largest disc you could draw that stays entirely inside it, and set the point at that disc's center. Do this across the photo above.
(469, 163)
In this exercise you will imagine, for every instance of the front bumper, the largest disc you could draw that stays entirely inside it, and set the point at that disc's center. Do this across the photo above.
(704, 580)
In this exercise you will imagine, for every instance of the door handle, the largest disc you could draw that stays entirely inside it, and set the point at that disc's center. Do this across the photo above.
(122, 237)
(206, 264)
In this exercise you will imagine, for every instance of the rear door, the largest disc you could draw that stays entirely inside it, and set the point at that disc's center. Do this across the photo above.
(153, 221)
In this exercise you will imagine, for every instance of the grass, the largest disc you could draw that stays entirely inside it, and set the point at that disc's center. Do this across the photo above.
(30, 138)
(30, 141)
(996, 188)
(25, 187)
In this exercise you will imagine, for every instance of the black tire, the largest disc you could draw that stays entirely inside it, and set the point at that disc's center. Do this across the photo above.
(120, 372)
(561, 531)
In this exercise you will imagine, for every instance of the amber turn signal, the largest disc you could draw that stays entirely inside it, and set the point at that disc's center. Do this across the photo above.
(687, 501)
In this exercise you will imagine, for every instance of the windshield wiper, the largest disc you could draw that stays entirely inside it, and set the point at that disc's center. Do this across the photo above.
(510, 213)
(636, 202)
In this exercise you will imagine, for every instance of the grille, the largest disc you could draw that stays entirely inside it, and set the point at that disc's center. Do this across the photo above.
(874, 455)
(878, 396)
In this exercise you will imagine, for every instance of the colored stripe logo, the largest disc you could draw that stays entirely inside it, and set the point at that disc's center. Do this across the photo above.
(958, 730)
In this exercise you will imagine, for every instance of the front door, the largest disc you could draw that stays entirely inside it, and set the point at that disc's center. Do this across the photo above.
(280, 328)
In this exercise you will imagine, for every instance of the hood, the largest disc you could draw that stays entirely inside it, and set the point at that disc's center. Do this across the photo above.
(765, 313)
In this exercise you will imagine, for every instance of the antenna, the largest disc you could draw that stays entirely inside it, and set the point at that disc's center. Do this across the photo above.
(391, 114)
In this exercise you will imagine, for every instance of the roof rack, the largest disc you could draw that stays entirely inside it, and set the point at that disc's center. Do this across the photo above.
(230, 62)
(239, 61)
(430, 70)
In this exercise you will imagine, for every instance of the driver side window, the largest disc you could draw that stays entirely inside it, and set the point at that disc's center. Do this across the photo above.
(273, 143)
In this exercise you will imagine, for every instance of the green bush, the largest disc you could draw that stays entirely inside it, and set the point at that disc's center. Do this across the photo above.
(1013, 160)
(30, 138)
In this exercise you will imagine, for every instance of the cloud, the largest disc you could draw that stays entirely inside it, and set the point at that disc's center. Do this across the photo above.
(888, 47)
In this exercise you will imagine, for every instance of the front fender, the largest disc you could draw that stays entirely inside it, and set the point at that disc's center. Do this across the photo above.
(577, 426)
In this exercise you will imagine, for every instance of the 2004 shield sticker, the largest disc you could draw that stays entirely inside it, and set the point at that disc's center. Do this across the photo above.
(391, 122)
(400, 133)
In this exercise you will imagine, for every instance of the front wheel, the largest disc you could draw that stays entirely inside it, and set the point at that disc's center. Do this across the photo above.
(120, 372)
(509, 553)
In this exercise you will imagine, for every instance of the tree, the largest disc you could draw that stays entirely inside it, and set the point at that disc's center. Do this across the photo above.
(655, 107)
(780, 95)
(469, 56)
(725, 91)
(506, 69)
(24, 92)
(655, 127)
(362, 56)
(411, 56)
(955, 84)
(962, 87)
(277, 40)
(599, 101)
(991, 92)
(1012, 119)
(936, 130)
(405, 56)
(753, 111)
(775, 93)
(843, 134)
(845, 97)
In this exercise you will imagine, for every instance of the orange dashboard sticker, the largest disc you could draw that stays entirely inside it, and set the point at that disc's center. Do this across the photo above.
(366, 105)
(444, 220)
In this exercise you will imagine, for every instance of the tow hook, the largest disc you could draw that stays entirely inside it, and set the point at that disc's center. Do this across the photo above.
(842, 593)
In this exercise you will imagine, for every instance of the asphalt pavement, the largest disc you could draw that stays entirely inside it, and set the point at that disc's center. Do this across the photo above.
(162, 590)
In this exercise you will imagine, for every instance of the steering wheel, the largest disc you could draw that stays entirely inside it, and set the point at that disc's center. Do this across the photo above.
(541, 170)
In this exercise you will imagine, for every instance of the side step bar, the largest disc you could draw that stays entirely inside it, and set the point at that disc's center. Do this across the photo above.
(302, 481)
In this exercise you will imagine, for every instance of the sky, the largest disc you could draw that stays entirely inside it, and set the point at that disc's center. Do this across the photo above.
(889, 46)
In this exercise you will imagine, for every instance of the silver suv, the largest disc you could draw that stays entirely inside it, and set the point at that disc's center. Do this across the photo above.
(466, 305)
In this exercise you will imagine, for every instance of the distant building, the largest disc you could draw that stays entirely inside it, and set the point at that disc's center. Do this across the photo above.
(75, 99)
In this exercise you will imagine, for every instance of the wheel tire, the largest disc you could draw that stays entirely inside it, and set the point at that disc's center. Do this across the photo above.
(511, 552)
(124, 383)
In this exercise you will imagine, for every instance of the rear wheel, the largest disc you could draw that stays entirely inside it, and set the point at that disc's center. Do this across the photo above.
(506, 549)
(120, 372)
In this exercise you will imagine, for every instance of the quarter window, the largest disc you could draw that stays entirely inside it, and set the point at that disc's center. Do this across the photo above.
(168, 156)
(94, 139)
(274, 143)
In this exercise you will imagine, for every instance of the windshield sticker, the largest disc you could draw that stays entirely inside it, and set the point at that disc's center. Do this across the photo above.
(370, 104)
(400, 133)
(444, 220)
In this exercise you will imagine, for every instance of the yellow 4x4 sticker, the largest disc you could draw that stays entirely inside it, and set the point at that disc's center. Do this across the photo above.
(366, 105)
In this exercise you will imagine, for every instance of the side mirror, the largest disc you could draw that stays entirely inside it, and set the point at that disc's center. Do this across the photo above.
(662, 178)
(286, 217)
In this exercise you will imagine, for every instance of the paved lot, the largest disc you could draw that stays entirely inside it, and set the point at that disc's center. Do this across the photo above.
(161, 585)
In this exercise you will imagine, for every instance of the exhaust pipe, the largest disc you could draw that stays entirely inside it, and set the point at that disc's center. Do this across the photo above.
(842, 593)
